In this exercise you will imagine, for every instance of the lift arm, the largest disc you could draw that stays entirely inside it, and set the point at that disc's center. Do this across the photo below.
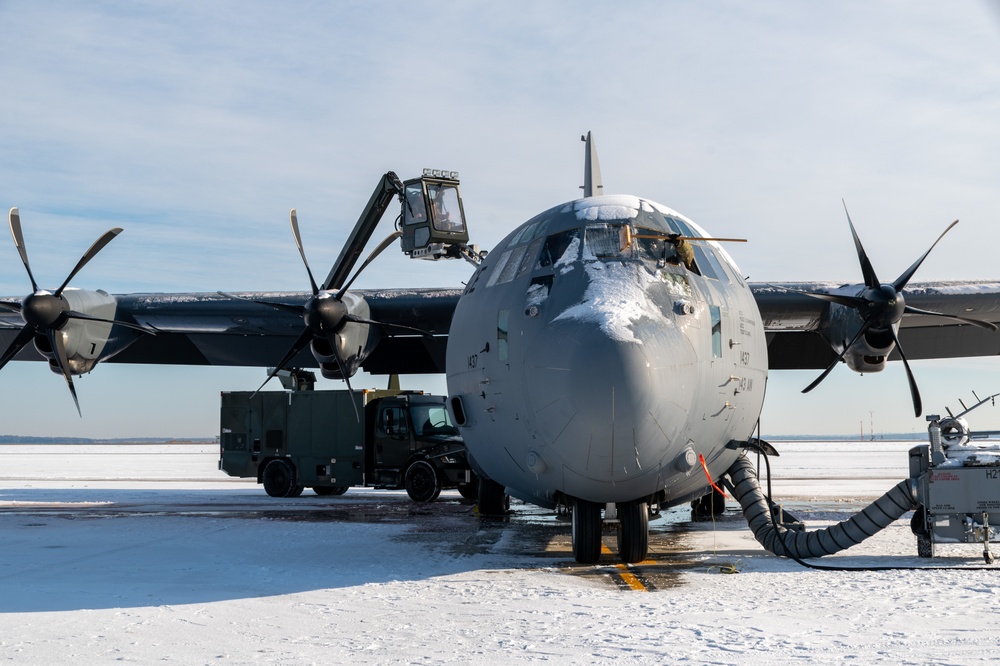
(388, 187)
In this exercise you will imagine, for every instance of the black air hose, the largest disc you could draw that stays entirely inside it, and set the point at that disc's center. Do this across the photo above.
(790, 543)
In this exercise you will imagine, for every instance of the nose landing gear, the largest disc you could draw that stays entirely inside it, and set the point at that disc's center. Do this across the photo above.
(633, 531)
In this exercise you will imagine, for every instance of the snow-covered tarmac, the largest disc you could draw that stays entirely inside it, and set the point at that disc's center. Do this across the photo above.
(146, 553)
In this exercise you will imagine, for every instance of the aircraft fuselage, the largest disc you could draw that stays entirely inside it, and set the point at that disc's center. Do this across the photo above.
(588, 361)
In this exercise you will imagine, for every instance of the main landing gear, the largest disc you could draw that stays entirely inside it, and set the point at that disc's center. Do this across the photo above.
(633, 531)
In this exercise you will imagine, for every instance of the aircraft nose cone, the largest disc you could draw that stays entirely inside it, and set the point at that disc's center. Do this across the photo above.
(607, 408)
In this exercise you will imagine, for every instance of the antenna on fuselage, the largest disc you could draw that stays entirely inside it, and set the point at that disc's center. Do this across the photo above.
(592, 184)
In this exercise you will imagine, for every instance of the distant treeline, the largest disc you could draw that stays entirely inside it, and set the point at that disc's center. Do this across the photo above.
(887, 437)
(23, 439)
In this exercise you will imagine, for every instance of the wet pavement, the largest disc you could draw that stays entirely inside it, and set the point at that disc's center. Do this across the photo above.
(531, 536)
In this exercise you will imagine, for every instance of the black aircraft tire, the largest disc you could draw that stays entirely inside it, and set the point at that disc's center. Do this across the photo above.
(493, 498)
(587, 524)
(279, 479)
(633, 531)
(421, 482)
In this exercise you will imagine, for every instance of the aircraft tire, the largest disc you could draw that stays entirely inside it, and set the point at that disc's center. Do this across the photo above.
(422, 482)
(493, 499)
(633, 531)
(587, 524)
(296, 491)
(279, 479)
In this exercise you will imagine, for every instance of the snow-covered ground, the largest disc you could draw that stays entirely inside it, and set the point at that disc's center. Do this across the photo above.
(142, 554)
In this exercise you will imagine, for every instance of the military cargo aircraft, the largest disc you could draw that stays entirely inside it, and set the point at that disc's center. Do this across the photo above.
(607, 356)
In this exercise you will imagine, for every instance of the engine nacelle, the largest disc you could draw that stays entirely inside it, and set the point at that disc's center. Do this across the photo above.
(353, 341)
(869, 353)
(86, 342)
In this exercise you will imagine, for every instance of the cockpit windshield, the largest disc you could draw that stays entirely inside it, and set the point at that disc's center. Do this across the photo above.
(605, 241)
(431, 419)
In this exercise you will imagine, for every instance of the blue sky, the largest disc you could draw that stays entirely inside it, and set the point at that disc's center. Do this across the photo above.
(196, 126)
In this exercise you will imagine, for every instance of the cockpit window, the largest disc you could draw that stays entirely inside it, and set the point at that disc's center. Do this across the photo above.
(654, 248)
(560, 248)
(603, 241)
(704, 261)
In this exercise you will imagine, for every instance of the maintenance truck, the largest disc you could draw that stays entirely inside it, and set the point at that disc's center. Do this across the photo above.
(333, 440)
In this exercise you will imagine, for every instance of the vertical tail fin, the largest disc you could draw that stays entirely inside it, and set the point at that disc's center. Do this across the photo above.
(593, 186)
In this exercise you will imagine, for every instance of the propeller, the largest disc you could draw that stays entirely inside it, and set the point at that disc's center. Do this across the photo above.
(325, 313)
(45, 313)
(881, 306)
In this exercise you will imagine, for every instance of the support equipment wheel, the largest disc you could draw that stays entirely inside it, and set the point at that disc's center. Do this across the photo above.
(470, 490)
(422, 483)
(709, 506)
(633, 531)
(493, 499)
(279, 479)
(587, 524)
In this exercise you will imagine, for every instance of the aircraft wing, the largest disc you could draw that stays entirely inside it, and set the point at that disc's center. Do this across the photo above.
(212, 329)
(793, 322)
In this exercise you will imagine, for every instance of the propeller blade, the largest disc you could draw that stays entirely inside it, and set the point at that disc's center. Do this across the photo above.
(908, 273)
(861, 331)
(296, 347)
(361, 320)
(975, 322)
(23, 338)
(294, 309)
(302, 253)
(15, 229)
(914, 392)
(98, 245)
(386, 242)
(332, 337)
(56, 341)
(871, 280)
(73, 314)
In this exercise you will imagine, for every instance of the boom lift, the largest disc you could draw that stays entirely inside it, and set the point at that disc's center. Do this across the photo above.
(432, 221)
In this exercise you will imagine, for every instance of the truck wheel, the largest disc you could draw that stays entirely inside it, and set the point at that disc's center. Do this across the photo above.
(330, 490)
(422, 483)
(279, 479)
